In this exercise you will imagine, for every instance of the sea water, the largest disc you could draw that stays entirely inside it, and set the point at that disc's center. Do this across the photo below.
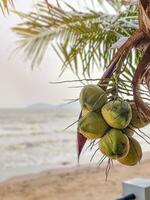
(32, 140)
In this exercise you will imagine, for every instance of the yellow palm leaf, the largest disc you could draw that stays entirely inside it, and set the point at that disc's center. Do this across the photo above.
(5, 5)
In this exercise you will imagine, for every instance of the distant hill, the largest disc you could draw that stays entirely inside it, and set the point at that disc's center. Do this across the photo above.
(65, 106)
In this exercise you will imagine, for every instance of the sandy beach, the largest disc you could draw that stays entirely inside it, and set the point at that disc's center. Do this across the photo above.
(76, 183)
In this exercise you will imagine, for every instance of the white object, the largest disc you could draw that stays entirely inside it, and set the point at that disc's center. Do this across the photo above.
(139, 187)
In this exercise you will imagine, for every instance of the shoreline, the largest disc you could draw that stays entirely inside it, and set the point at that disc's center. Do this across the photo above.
(73, 183)
(64, 168)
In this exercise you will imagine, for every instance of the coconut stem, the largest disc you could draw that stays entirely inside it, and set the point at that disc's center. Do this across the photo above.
(121, 55)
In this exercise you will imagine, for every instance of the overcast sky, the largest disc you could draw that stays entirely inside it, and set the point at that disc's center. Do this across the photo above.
(19, 85)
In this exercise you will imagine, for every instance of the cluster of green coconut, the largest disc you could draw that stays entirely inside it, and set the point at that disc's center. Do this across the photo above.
(112, 122)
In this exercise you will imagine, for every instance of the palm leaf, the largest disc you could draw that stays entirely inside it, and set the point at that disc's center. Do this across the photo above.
(5, 4)
(80, 38)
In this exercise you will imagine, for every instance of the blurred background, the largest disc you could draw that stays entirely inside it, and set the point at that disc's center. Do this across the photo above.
(33, 112)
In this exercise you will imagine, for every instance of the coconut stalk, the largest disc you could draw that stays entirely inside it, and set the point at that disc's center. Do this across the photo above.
(139, 39)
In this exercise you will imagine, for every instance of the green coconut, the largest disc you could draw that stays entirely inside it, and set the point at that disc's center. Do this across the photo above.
(84, 111)
(114, 144)
(128, 131)
(92, 126)
(134, 155)
(92, 97)
(117, 113)
(138, 120)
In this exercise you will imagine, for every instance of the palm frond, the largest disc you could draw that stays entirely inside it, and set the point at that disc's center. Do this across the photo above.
(79, 38)
(5, 5)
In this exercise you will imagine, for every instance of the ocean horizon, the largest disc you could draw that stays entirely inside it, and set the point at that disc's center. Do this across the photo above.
(33, 140)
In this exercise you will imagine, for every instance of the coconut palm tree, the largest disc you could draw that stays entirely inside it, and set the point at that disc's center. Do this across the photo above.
(117, 42)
